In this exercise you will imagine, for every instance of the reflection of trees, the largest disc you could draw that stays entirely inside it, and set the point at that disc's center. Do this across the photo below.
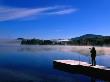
(81, 50)
(34, 49)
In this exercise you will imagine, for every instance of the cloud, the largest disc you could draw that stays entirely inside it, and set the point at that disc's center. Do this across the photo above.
(65, 11)
(10, 13)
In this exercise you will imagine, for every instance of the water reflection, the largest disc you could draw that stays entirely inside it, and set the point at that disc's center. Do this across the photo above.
(34, 63)
(93, 79)
(35, 48)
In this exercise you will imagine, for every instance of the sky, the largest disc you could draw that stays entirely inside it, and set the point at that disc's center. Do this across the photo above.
(53, 19)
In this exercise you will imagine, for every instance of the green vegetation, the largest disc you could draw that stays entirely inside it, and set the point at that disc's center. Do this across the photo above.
(36, 42)
(88, 39)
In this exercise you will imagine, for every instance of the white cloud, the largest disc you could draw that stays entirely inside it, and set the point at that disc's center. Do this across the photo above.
(65, 11)
(9, 13)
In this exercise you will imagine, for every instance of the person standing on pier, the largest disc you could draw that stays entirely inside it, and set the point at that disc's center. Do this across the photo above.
(93, 56)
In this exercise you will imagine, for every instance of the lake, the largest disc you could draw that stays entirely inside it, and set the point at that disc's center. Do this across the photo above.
(35, 64)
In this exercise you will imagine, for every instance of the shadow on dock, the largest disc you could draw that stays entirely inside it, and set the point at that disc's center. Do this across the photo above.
(94, 73)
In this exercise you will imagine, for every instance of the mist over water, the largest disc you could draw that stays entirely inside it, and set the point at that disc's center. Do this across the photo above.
(35, 63)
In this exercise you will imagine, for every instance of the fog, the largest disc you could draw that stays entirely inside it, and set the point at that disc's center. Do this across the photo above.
(14, 46)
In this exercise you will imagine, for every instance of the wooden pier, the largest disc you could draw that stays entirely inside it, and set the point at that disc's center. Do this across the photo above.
(84, 68)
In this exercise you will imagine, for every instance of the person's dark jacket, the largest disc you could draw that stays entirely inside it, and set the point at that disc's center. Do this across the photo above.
(93, 52)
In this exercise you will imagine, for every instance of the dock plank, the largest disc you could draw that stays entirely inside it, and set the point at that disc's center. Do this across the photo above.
(75, 62)
(81, 67)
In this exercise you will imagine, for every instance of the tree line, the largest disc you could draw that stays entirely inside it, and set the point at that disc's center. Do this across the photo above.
(94, 40)
(82, 40)
(36, 42)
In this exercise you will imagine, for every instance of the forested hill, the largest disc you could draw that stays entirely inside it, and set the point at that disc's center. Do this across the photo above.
(88, 36)
(91, 39)
(88, 39)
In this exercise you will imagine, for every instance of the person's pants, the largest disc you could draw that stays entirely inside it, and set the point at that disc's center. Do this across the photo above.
(93, 61)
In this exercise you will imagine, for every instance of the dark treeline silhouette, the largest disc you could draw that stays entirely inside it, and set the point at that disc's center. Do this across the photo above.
(88, 39)
(36, 42)
(41, 42)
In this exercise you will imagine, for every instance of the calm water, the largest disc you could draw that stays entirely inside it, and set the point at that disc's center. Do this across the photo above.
(35, 64)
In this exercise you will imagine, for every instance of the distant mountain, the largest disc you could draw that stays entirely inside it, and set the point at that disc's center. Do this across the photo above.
(87, 39)
(91, 39)
(87, 36)
(91, 36)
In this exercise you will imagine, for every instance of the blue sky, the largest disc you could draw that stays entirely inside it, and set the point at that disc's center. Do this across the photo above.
(49, 19)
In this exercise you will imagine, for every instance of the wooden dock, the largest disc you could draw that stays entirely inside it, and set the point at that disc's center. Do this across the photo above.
(85, 68)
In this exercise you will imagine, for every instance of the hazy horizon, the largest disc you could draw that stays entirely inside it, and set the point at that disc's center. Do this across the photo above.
(15, 38)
